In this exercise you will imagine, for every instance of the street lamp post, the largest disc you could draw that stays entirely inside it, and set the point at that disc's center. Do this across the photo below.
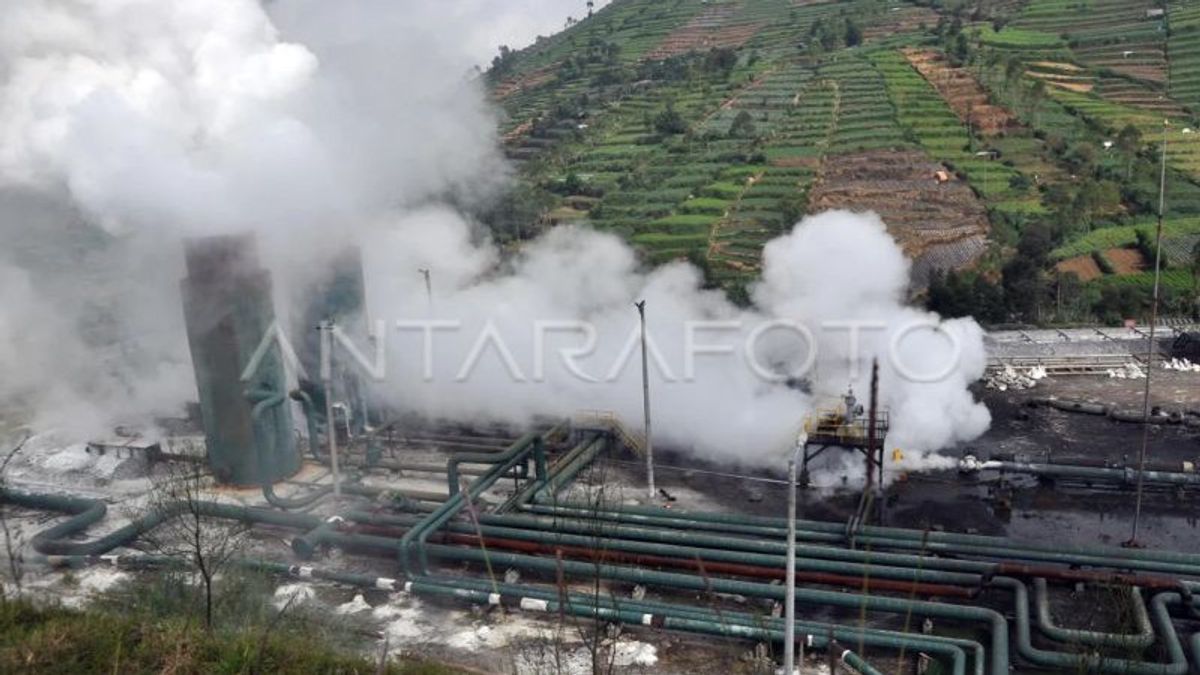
(789, 599)
(326, 329)
(641, 308)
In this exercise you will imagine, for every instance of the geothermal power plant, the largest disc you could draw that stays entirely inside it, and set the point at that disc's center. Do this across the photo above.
(588, 338)
(884, 568)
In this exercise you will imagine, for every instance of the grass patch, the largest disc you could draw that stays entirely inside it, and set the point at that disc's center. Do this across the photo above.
(1123, 236)
(52, 640)
(1016, 38)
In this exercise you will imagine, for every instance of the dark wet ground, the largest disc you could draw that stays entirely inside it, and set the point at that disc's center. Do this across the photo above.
(1067, 514)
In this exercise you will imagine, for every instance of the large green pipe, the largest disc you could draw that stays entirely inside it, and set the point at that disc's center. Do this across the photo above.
(1144, 637)
(853, 661)
(583, 455)
(1038, 656)
(999, 656)
(1124, 475)
(777, 528)
(855, 601)
(874, 637)
(531, 490)
(327, 533)
(86, 512)
(720, 555)
(676, 617)
(306, 545)
(671, 617)
(263, 402)
(252, 564)
(635, 612)
(517, 448)
(666, 536)
(310, 418)
(417, 536)
(1184, 564)
(1194, 643)
(1091, 661)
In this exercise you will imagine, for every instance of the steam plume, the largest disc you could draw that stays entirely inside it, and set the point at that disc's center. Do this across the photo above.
(127, 125)
(835, 267)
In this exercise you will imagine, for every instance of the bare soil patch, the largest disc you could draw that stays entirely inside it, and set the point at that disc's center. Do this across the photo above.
(961, 91)
(533, 78)
(1083, 266)
(944, 222)
(715, 26)
(900, 20)
(1125, 260)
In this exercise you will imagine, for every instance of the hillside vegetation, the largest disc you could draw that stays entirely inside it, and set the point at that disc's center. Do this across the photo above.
(1007, 143)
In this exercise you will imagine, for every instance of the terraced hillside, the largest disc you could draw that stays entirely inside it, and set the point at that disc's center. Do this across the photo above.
(1125, 36)
(701, 130)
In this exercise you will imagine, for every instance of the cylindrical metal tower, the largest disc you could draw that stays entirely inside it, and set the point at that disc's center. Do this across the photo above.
(228, 311)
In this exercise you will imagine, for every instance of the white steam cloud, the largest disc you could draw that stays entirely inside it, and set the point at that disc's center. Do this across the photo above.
(834, 268)
(128, 124)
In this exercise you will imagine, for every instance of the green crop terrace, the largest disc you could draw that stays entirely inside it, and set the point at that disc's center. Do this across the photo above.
(585, 107)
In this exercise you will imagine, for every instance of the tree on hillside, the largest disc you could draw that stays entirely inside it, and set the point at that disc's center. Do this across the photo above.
(502, 64)
(1034, 97)
(1013, 68)
(960, 53)
(1094, 199)
(1129, 141)
(1060, 200)
(1023, 277)
(743, 126)
(516, 213)
(1071, 298)
(669, 121)
(854, 34)
(720, 60)
(955, 294)
(1120, 302)
(1081, 159)
(823, 34)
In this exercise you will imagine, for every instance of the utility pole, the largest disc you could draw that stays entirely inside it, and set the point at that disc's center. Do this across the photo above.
(326, 329)
(641, 308)
(1150, 349)
(789, 598)
(874, 458)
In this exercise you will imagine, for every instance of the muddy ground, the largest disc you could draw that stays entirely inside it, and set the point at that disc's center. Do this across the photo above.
(946, 500)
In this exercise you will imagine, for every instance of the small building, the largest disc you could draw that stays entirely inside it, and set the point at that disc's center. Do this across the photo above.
(942, 176)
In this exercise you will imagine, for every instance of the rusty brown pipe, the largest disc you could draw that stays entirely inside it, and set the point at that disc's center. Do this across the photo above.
(1148, 581)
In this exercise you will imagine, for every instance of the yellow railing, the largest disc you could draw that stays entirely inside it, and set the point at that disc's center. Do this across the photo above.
(830, 422)
(607, 419)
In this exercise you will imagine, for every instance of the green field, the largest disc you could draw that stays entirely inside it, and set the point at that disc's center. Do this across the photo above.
(687, 159)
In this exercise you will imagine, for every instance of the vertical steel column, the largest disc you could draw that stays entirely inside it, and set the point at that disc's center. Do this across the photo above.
(641, 308)
(789, 600)
(229, 313)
